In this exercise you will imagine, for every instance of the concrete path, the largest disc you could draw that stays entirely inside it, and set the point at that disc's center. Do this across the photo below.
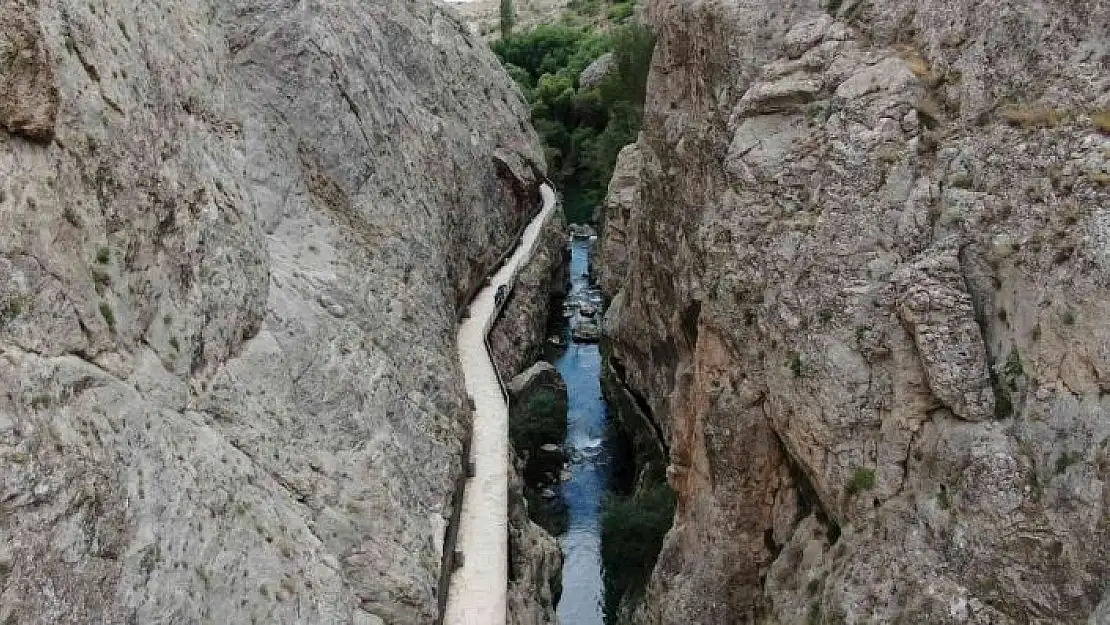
(477, 595)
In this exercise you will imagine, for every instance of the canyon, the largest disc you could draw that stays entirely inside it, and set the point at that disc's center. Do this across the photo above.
(858, 269)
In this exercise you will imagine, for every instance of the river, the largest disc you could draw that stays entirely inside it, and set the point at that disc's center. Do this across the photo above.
(589, 458)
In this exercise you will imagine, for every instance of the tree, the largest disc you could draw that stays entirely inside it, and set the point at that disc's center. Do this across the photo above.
(508, 18)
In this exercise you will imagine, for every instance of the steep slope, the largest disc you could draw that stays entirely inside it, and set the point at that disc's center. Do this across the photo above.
(235, 239)
(866, 302)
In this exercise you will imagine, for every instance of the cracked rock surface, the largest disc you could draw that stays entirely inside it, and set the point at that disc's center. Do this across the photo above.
(235, 236)
(860, 262)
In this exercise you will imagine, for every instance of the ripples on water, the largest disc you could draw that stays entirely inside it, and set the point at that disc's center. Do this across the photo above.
(582, 601)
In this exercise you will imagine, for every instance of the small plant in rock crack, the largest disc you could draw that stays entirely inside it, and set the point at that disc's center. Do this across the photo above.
(1101, 121)
(796, 365)
(103, 255)
(100, 277)
(109, 316)
(1064, 461)
(862, 479)
(944, 498)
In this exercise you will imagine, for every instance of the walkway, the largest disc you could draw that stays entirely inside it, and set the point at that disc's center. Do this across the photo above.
(477, 595)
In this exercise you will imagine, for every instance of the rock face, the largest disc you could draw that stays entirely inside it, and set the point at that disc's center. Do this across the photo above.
(596, 72)
(866, 302)
(28, 93)
(610, 263)
(228, 290)
(516, 340)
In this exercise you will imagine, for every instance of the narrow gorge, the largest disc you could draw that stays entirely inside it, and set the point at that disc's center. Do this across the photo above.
(294, 330)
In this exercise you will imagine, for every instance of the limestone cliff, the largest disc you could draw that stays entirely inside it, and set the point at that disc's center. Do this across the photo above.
(867, 302)
(235, 238)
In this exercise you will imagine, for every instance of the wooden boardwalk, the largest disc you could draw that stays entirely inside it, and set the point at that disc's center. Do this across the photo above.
(478, 589)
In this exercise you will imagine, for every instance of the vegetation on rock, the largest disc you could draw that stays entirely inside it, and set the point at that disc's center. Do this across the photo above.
(582, 128)
(541, 422)
(632, 534)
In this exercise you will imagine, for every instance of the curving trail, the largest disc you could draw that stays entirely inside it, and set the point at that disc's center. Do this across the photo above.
(478, 589)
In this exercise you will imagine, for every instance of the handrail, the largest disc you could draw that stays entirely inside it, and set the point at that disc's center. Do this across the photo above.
(511, 287)
(448, 563)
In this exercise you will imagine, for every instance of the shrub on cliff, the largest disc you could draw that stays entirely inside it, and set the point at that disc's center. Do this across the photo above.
(539, 422)
(632, 534)
(582, 130)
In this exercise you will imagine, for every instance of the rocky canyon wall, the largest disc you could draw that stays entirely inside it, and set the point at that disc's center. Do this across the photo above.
(860, 262)
(234, 238)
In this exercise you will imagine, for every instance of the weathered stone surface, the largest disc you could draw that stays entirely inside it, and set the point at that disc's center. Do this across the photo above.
(28, 95)
(542, 374)
(596, 72)
(936, 308)
(228, 292)
(610, 263)
(516, 340)
(866, 305)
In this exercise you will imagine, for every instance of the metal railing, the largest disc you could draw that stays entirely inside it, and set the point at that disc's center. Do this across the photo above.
(450, 540)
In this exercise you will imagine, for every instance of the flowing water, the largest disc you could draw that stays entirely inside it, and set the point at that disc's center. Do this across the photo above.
(582, 601)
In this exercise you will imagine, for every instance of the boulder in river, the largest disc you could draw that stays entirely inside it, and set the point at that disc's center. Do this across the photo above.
(586, 332)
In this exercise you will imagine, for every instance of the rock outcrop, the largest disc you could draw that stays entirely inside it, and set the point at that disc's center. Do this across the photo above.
(609, 265)
(517, 338)
(536, 562)
(236, 236)
(866, 305)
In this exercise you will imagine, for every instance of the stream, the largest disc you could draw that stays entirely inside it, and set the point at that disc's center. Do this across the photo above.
(588, 451)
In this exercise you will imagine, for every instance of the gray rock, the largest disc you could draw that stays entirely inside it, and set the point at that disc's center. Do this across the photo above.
(596, 72)
(28, 93)
(187, 434)
(586, 332)
(860, 280)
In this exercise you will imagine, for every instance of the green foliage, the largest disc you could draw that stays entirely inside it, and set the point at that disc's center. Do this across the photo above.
(632, 531)
(862, 479)
(103, 255)
(621, 11)
(100, 277)
(944, 498)
(14, 307)
(508, 18)
(539, 423)
(1064, 461)
(582, 130)
(797, 367)
(109, 316)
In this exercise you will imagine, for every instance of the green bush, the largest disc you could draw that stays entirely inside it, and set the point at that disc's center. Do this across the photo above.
(621, 11)
(582, 130)
(109, 316)
(632, 533)
(538, 423)
(862, 479)
(508, 18)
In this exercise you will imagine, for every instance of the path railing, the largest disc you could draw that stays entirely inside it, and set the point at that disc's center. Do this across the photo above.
(475, 600)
